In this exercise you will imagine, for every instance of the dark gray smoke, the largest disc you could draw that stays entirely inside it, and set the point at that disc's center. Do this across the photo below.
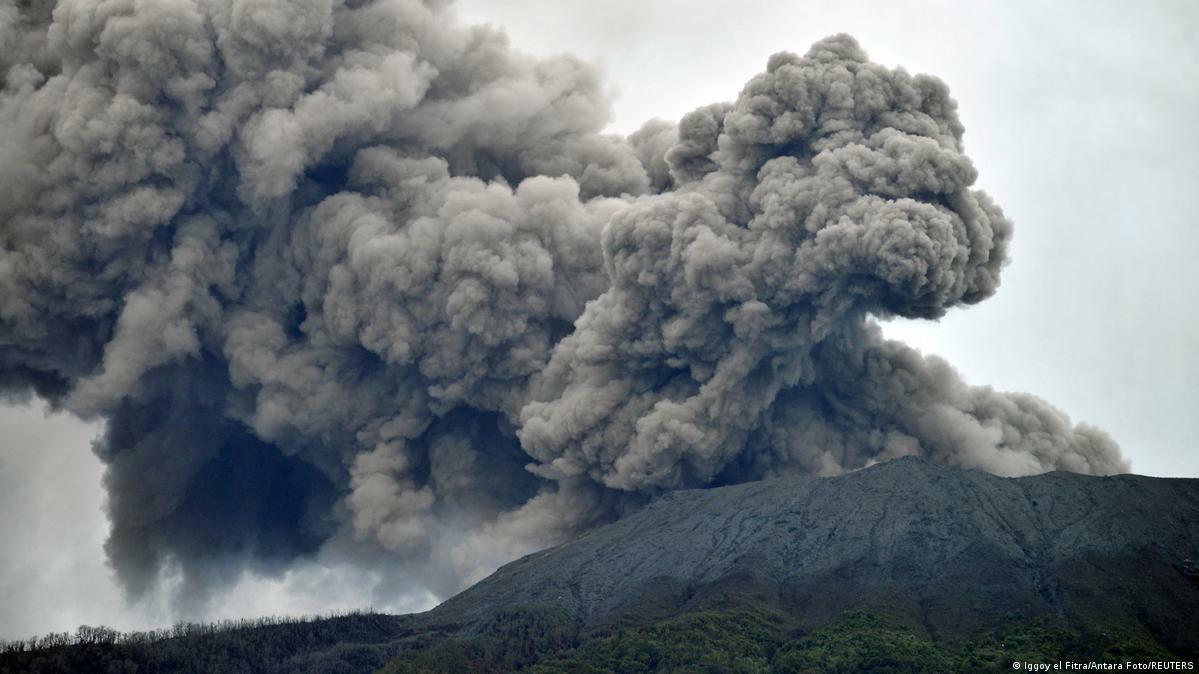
(345, 274)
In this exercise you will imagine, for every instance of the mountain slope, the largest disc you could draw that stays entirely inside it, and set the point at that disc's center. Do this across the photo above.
(908, 566)
(953, 548)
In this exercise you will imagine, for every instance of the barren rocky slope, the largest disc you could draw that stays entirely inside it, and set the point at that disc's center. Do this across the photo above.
(955, 548)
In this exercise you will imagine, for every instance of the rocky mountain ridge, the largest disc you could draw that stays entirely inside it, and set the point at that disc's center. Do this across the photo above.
(954, 547)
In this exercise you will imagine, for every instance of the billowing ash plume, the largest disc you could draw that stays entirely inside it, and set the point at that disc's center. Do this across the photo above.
(348, 275)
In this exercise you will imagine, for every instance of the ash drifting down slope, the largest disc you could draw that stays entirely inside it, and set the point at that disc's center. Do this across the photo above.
(346, 276)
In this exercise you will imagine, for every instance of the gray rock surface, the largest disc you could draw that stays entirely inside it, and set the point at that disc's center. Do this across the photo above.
(954, 548)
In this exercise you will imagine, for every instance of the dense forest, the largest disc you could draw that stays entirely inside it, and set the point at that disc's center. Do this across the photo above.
(546, 641)
(764, 641)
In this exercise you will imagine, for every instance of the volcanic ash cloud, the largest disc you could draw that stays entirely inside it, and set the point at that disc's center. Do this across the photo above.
(352, 279)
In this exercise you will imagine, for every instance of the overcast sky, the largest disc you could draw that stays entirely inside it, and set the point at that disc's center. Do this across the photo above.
(1079, 118)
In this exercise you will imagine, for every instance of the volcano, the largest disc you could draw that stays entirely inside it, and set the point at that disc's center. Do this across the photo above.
(907, 565)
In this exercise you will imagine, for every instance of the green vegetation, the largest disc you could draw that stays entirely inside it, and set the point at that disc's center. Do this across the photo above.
(736, 641)
(764, 641)
(862, 642)
(546, 640)
(509, 640)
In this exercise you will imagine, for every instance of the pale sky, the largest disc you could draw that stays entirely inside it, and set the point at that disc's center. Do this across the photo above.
(1079, 117)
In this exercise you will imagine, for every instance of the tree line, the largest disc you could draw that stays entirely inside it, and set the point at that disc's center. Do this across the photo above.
(343, 641)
